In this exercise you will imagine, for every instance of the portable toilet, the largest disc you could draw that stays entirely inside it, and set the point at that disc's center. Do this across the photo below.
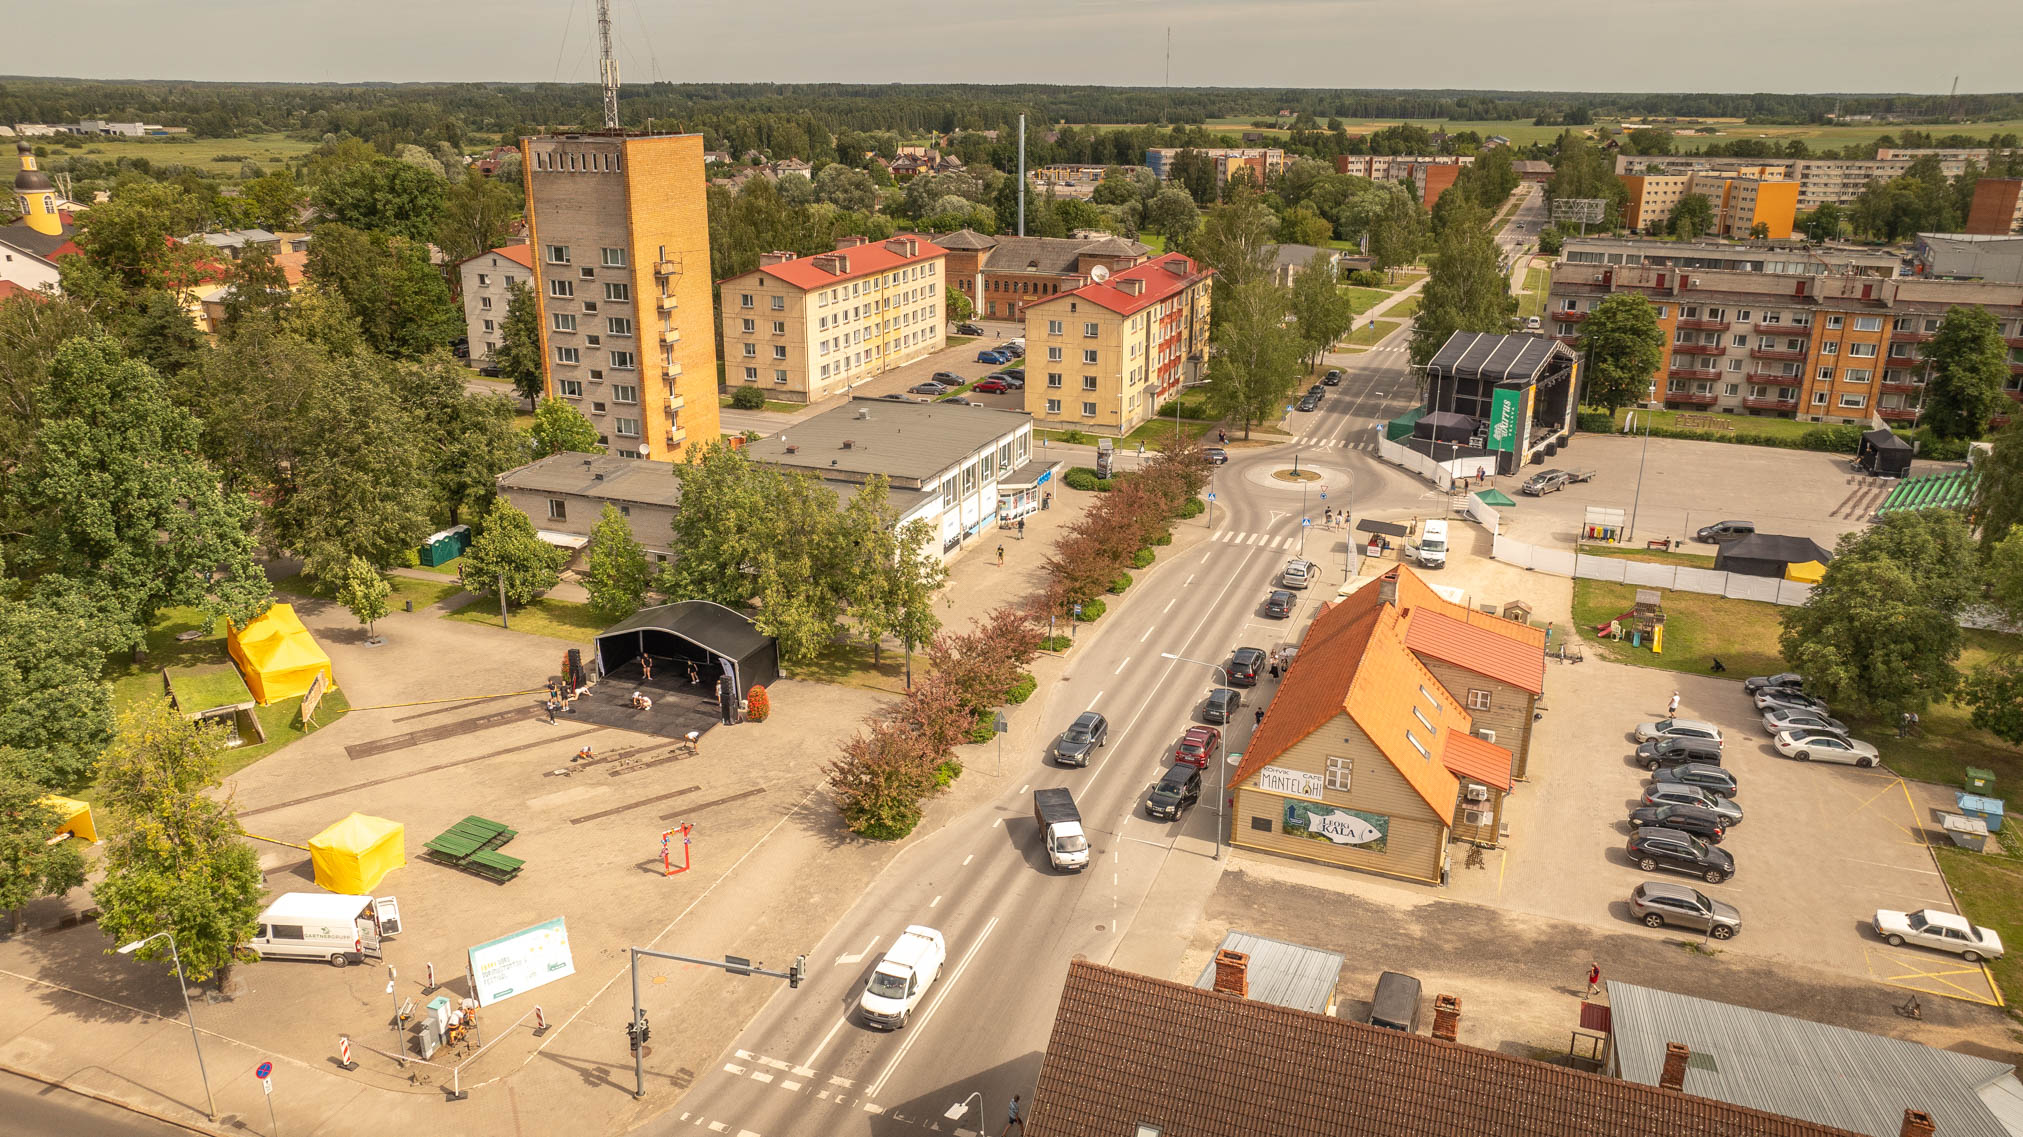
(445, 546)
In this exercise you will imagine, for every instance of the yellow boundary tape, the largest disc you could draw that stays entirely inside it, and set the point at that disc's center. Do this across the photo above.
(458, 699)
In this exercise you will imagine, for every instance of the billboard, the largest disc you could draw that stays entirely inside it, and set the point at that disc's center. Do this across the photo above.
(514, 964)
(1506, 420)
(1341, 826)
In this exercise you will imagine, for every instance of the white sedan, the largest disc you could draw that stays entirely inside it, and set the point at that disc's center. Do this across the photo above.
(1805, 745)
(1942, 930)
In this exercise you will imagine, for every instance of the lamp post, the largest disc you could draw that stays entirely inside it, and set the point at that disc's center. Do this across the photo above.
(1221, 762)
(183, 986)
(1637, 499)
(955, 1112)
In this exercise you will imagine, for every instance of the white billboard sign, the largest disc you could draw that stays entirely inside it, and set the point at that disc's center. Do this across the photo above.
(514, 964)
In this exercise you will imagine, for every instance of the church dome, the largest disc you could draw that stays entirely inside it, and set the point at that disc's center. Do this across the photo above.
(30, 179)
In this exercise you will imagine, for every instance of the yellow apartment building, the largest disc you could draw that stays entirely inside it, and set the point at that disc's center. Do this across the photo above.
(1740, 200)
(1105, 356)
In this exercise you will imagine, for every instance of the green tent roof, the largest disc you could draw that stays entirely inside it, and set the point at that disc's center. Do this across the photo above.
(1495, 497)
(1951, 490)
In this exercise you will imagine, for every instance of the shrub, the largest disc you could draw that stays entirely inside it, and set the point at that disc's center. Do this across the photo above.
(1075, 438)
(1163, 539)
(1594, 422)
(1080, 478)
(1117, 586)
(1056, 643)
(1366, 278)
(1939, 449)
(1022, 690)
(1844, 439)
(946, 773)
(1192, 508)
(1092, 610)
(1144, 557)
(748, 399)
(758, 704)
(982, 731)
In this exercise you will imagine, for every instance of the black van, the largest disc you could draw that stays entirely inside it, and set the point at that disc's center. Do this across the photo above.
(1396, 1003)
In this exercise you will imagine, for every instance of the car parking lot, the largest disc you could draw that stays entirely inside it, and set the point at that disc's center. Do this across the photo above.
(1819, 849)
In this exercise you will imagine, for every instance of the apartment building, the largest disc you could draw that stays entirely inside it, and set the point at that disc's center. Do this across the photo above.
(1840, 348)
(619, 228)
(1740, 201)
(1256, 163)
(1997, 208)
(1430, 174)
(1964, 154)
(805, 328)
(1820, 180)
(1784, 259)
(488, 280)
(1002, 275)
(1104, 356)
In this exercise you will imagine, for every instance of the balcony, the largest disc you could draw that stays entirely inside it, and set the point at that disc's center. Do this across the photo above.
(1704, 374)
(1898, 414)
(1902, 388)
(670, 336)
(1911, 337)
(1776, 353)
(1755, 403)
(666, 268)
(666, 303)
(1569, 316)
(1704, 325)
(1699, 349)
(1695, 398)
(1783, 329)
(670, 368)
(1776, 379)
(2013, 341)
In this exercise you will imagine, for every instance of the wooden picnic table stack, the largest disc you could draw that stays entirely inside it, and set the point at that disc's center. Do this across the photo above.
(473, 844)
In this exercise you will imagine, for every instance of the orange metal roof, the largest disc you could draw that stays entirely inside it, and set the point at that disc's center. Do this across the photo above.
(1477, 760)
(1433, 632)
(1160, 283)
(867, 259)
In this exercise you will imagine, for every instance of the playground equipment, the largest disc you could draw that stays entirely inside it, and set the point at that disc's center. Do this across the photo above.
(1643, 624)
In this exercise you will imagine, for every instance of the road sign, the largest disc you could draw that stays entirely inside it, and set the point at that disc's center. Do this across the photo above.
(1324, 495)
(1306, 522)
(265, 1069)
(999, 725)
(1211, 497)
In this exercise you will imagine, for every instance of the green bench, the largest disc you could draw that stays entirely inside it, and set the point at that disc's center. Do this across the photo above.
(473, 844)
(494, 865)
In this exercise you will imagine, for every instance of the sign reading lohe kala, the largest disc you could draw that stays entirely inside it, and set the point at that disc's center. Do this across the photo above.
(1370, 831)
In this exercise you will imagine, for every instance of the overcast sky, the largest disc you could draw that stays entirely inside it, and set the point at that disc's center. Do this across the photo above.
(1580, 45)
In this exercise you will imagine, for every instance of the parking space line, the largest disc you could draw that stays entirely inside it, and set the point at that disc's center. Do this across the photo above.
(1887, 865)
(1958, 991)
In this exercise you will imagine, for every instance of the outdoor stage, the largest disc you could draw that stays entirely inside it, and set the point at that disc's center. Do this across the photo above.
(678, 706)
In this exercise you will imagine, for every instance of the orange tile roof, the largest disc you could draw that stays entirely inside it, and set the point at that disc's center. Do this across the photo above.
(293, 265)
(1316, 687)
(1430, 631)
(1476, 760)
(523, 253)
(1413, 592)
(867, 259)
(1160, 283)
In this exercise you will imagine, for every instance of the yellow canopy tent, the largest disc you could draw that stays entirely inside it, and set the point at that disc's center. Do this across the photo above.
(354, 855)
(1804, 572)
(76, 817)
(278, 656)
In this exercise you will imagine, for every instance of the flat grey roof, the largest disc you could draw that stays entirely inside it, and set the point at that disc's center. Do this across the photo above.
(1289, 975)
(1808, 1070)
(636, 481)
(1028, 474)
(903, 441)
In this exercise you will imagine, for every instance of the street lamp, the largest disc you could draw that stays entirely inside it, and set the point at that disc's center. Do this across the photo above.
(955, 1112)
(183, 986)
(1222, 763)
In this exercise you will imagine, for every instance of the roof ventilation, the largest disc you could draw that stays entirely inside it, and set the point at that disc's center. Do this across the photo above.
(597, 477)
(793, 450)
(849, 444)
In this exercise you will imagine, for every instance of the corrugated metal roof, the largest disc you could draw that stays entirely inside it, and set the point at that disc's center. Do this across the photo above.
(1289, 975)
(1826, 1074)
(1497, 356)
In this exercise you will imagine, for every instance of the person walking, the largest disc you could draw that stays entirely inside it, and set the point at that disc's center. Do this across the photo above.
(1259, 720)
(1672, 708)
(1022, 528)
(694, 677)
(1594, 979)
(1000, 556)
(1012, 1117)
(552, 706)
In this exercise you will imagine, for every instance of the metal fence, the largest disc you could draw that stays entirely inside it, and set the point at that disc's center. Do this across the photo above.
(1648, 574)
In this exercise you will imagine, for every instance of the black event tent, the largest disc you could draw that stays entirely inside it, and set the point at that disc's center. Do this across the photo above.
(716, 639)
(1766, 554)
(1883, 454)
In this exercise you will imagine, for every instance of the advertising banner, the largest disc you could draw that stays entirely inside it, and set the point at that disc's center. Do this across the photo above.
(1341, 826)
(514, 964)
(1505, 418)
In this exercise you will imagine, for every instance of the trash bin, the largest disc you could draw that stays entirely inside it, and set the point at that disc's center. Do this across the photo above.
(1988, 809)
(1980, 781)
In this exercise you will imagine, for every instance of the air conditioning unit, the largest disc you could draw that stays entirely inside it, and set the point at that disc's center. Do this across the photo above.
(1477, 816)
(1476, 793)
(1486, 735)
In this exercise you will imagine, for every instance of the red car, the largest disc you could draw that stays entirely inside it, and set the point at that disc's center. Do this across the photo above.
(1199, 746)
(992, 387)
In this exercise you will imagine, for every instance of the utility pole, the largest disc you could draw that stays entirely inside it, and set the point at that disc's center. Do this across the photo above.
(607, 67)
(1022, 175)
(639, 1030)
(502, 599)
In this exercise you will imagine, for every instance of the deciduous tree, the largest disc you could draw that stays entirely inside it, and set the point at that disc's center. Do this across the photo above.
(508, 549)
(364, 592)
(518, 356)
(1238, 240)
(1467, 291)
(1998, 497)
(1322, 312)
(274, 201)
(477, 215)
(396, 198)
(1622, 347)
(618, 575)
(559, 427)
(399, 299)
(1691, 216)
(1173, 213)
(30, 866)
(55, 710)
(1256, 358)
(1969, 364)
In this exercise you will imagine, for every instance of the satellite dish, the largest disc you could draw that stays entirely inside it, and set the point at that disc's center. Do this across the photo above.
(1099, 274)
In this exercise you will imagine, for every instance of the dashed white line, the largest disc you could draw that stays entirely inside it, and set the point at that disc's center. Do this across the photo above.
(1190, 580)
(1094, 701)
(1148, 632)
(803, 1072)
(1169, 605)
(1024, 788)
(934, 902)
(826, 1039)
(1122, 666)
(969, 858)
(920, 1027)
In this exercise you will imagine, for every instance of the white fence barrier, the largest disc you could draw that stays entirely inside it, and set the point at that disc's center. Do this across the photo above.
(1647, 574)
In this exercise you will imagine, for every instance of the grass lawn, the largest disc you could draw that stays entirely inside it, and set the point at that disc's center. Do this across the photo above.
(448, 568)
(1740, 424)
(1404, 309)
(1365, 299)
(1990, 889)
(850, 664)
(184, 150)
(1531, 301)
(1153, 433)
(423, 592)
(1365, 335)
(1155, 241)
(1659, 556)
(559, 619)
(773, 406)
(962, 341)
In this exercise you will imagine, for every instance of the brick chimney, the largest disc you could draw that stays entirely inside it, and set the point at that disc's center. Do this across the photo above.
(777, 256)
(849, 242)
(904, 246)
(1673, 1077)
(1917, 1123)
(1387, 588)
(1232, 973)
(1446, 1017)
(1131, 285)
(1179, 266)
(835, 264)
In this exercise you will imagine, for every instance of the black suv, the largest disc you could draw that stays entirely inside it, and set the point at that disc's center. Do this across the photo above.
(1222, 705)
(1702, 823)
(1279, 604)
(1332, 379)
(1674, 751)
(1084, 735)
(1244, 664)
(1659, 848)
(1178, 788)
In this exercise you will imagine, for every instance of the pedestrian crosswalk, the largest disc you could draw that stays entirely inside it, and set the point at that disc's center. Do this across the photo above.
(1315, 442)
(1267, 540)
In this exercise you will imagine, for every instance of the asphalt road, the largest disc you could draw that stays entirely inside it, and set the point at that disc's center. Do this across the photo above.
(807, 1066)
(30, 1109)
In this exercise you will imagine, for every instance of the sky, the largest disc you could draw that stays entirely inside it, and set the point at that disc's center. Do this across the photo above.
(1566, 45)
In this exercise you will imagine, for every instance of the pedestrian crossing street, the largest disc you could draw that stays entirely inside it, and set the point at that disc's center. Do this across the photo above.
(1367, 445)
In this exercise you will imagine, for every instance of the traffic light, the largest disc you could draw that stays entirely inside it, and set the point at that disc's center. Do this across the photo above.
(645, 1029)
(632, 1037)
(797, 972)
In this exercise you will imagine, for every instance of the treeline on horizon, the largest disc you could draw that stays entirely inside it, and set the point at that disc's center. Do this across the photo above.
(427, 112)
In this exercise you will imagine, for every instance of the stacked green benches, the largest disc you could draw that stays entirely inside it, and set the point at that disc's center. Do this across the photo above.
(473, 845)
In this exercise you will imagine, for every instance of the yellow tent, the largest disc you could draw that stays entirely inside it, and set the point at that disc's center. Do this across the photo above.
(1805, 572)
(355, 854)
(278, 656)
(76, 817)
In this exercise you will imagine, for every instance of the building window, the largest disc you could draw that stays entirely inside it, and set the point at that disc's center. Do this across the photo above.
(779, 303)
(1089, 356)
(562, 289)
(1826, 374)
(1339, 770)
(1478, 700)
(1053, 379)
(751, 374)
(779, 375)
(744, 299)
(485, 303)
(614, 258)
(617, 292)
(1830, 347)
(488, 326)
(627, 427)
(1053, 327)
(751, 327)
(569, 388)
(566, 355)
(1418, 745)
(1053, 406)
(618, 326)
(623, 361)
(1853, 401)
(751, 350)
(779, 351)
(1088, 410)
(1089, 330)
(1861, 350)
(563, 321)
(624, 393)
(1819, 398)
(558, 254)
(1088, 382)
(1833, 322)
(779, 327)
(558, 510)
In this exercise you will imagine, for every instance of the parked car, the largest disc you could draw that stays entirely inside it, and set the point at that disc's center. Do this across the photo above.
(968, 330)
(1666, 793)
(1015, 379)
(1298, 573)
(1179, 787)
(1936, 929)
(959, 401)
(1714, 779)
(1332, 379)
(1089, 731)
(1244, 664)
(896, 397)
(1217, 456)
(1678, 728)
(1657, 903)
(1222, 704)
(996, 357)
(1700, 821)
(1673, 750)
(1806, 745)
(930, 387)
(1013, 347)
(1654, 849)
(1771, 698)
(1722, 531)
(1779, 720)
(1318, 389)
(1018, 373)
(948, 378)
(992, 385)
(1279, 604)
(1553, 481)
(1309, 402)
(1755, 683)
(1531, 324)
(1198, 747)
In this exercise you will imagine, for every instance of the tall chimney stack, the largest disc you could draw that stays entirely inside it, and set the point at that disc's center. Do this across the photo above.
(1232, 973)
(1446, 1017)
(1674, 1075)
(1917, 1123)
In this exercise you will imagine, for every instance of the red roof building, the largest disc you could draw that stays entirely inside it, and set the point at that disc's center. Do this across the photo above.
(1106, 355)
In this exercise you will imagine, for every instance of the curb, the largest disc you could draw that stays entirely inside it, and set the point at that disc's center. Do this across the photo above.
(104, 1099)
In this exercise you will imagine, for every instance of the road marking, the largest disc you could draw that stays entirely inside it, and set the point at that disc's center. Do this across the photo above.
(855, 957)
(869, 1108)
(746, 1133)
(731, 1068)
(803, 1072)
(1148, 631)
(1885, 865)
(826, 1039)
(718, 1127)
(934, 902)
(775, 1063)
(846, 1083)
(1026, 787)
(920, 1027)
(1122, 666)
(1190, 580)
(969, 858)
(1094, 701)
(787, 1085)
(761, 1076)
(1169, 605)
(998, 822)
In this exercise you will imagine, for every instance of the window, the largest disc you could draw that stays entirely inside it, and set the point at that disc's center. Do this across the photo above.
(1819, 398)
(744, 299)
(558, 254)
(624, 393)
(564, 321)
(566, 355)
(1833, 322)
(1739, 341)
(1339, 771)
(1053, 327)
(751, 374)
(1053, 355)
(1861, 350)
(751, 350)
(1853, 400)
(617, 292)
(1088, 382)
(750, 326)
(1856, 375)
(618, 325)
(779, 351)
(1830, 347)
(614, 258)
(779, 303)
(1089, 356)
(558, 510)
(779, 327)
(1421, 716)
(569, 388)
(1088, 410)
(285, 932)
(488, 326)
(485, 303)
(779, 375)
(1826, 374)
(1868, 323)
(627, 427)
(1053, 379)
(623, 361)
(1478, 700)
(1418, 745)
(1089, 329)
(562, 289)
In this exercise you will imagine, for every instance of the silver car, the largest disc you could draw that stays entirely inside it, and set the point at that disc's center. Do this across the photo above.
(1773, 698)
(1657, 904)
(1779, 721)
(1679, 728)
(1807, 745)
(1670, 793)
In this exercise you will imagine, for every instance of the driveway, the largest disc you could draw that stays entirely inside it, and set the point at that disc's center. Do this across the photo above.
(960, 359)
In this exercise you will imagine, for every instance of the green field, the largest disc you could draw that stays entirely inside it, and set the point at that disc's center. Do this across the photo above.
(1531, 301)
(1366, 336)
(558, 619)
(258, 148)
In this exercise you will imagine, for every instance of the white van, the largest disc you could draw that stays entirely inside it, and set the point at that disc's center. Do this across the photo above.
(1431, 551)
(322, 925)
(902, 977)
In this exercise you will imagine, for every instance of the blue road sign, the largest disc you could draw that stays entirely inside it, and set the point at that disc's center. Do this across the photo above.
(1211, 497)
(265, 1069)
(1324, 495)
(1306, 522)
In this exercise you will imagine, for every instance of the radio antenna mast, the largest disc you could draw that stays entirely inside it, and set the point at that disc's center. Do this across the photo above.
(607, 68)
